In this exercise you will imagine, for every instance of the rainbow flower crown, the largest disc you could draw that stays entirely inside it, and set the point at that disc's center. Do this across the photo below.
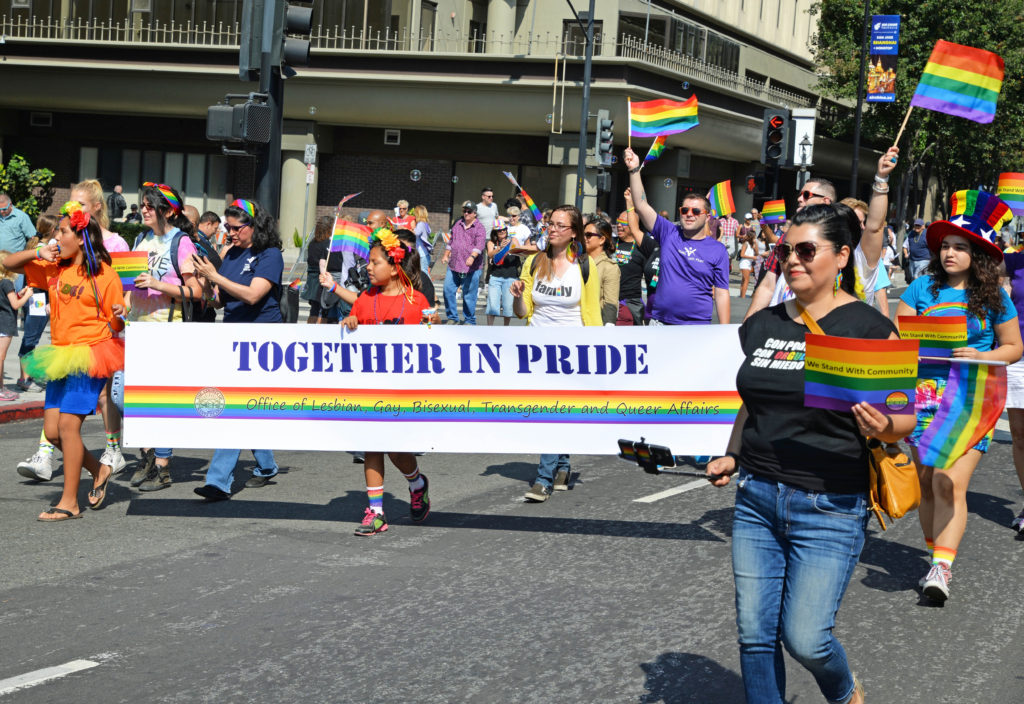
(75, 212)
(391, 244)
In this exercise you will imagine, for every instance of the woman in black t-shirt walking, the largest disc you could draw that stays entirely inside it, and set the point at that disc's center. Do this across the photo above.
(801, 499)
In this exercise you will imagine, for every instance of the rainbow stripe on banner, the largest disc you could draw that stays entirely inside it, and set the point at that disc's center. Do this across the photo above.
(937, 335)
(774, 211)
(842, 371)
(720, 196)
(660, 117)
(1011, 191)
(971, 404)
(351, 237)
(961, 81)
(656, 149)
(128, 265)
(456, 406)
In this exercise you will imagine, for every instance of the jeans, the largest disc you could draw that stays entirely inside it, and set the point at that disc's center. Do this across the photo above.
(424, 261)
(549, 466)
(470, 283)
(34, 326)
(222, 467)
(793, 553)
(499, 297)
(918, 267)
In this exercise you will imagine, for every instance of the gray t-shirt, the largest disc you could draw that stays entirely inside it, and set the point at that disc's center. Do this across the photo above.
(487, 214)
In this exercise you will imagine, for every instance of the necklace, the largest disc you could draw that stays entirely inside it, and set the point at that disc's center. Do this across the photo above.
(389, 321)
(622, 256)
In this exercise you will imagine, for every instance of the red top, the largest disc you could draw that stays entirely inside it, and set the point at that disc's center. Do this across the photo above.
(374, 308)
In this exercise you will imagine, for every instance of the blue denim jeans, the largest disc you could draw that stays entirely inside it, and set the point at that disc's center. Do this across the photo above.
(793, 552)
(549, 466)
(499, 297)
(222, 467)
(470, 283)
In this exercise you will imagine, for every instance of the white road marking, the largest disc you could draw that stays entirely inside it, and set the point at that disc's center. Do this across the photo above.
(672, 492)
(31, 679)
(1003, 425)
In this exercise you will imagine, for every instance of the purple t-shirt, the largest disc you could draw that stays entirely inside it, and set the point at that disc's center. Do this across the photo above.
(1015, 270)
(689, 272)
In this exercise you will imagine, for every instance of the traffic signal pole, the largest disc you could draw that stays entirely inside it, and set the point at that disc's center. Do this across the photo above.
(268, 160)
(581, 166)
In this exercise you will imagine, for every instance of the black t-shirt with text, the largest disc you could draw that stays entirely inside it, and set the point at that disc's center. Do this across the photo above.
(632, 258)
(809, 448)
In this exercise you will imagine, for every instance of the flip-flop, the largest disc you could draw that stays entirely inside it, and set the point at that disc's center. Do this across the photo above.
(63, 515)
(99, 493)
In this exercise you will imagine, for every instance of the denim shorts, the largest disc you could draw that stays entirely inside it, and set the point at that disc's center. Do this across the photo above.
(77, 394)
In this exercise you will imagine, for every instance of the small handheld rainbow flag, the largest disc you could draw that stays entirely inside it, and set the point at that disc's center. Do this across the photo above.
(971, 404)
(842, 371)
(347, 198)
(773, 211)
(500, 255)
(937, 335)
(720, 196)
(296, 285)
(128, 265)
(537, 215)
(961, 81)
(351, 237)
(1011, 191)
(652, 118)
(656, 149)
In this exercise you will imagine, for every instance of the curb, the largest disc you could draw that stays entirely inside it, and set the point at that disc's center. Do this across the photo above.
(21, 411)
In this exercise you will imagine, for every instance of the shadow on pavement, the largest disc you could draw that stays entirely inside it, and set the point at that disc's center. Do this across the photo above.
(899, 566)
(686, 678)
(523, 471)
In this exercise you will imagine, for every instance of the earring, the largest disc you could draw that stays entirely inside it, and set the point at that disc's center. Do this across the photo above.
(838, 282)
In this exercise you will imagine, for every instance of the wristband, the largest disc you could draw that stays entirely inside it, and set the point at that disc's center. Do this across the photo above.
(879, 179)
(635, 170)
(630, 210)
(880, 187)
(38, 255)
(334, 285)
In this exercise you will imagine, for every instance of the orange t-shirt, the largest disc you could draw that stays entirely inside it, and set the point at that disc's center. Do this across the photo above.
(74, 318)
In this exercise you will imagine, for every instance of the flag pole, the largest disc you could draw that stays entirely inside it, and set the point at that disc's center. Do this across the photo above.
(629, 123)
(903, 126)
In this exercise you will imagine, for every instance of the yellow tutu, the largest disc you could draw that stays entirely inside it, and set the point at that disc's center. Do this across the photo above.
(58, 361)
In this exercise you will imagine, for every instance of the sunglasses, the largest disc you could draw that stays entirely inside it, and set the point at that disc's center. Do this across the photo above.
(588, 235)
(807, 195)
(806, 251)
(687, 211)
(234, 228)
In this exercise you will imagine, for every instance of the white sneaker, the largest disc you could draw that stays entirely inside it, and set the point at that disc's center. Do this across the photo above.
(113, 459)
(936, 584)
(38, 466)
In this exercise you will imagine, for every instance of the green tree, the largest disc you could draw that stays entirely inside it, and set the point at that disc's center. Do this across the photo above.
(960, 153)
(30, 189)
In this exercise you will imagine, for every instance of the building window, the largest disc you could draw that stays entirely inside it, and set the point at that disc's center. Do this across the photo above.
(428, 21)
(636, 27)
(723, 53)
(574, 40)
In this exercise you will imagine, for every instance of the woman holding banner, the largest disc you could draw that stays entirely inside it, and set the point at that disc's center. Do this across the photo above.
(558, 287)
(801, 499)
(249, 289)
(962, 279)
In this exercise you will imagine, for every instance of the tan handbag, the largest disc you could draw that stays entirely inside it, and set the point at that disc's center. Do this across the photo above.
(893, 487)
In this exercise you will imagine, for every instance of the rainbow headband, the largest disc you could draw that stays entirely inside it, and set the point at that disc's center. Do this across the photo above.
(167, 193)
(246, 205)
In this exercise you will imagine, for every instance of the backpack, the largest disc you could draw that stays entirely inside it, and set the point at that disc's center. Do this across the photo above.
(584, 267)
(189, 311)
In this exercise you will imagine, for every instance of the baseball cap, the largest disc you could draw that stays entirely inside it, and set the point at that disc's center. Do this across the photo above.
(919, 221)
(748, 216)
(469, 205)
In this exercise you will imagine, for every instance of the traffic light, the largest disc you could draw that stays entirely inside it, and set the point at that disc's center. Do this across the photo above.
(755, 183)
(603, 146)
(248, 122)
(775, 137)
(265, 26)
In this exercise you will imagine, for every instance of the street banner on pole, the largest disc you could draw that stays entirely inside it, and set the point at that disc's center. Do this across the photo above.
(885, 47)
(432, 388)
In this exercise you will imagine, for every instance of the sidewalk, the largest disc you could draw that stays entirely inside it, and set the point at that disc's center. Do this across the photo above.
(29, 404)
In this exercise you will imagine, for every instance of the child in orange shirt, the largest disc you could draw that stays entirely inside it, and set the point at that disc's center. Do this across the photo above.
(391, 300)
(87, 309)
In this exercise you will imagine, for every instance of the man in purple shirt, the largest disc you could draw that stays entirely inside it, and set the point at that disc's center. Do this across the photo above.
(464, 257)
(693, 277)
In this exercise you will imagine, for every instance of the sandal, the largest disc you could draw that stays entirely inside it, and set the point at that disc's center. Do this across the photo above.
(62, 515)
(99, 493)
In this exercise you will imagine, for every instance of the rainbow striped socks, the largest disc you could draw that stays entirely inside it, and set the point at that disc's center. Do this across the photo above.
(944, 555)
(415, 479)
(114, 440)
(376, 496)
(44, 445)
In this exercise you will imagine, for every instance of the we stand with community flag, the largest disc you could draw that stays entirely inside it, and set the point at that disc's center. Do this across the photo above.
(842, 371)
(439, 388)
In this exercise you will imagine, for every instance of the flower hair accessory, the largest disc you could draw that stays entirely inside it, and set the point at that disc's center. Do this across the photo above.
(167, 193)
(75, 212)
(245, 205)
(391, 244)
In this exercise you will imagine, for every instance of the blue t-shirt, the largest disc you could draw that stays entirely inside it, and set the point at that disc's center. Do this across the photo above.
(242, 266)
(689, 272)
(917, 246)
(951, 301)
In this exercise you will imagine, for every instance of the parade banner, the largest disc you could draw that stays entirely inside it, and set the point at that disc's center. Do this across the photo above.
(431, 388)
(884, 50)
(842, 371)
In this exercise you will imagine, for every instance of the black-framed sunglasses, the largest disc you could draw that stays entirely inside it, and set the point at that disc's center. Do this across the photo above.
(588, 235)
(687, 211)
(806, 251)
(234, 228)
(807, 195)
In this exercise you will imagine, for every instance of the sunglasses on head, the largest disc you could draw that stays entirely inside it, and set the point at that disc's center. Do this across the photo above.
(807, 195)
(687, 211)
(806, 251)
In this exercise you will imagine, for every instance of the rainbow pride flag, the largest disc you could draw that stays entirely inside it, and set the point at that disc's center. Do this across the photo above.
(351, 237)
(499, 256)
(296, 285)
(656, 149)
(720, 196)
(961, 81)
(937, 335)
(537, 215)
(346, 199)
(128, 265)
(971, 404)
(1011, 191)
(773, 211)
(842, 371)
(661, 117)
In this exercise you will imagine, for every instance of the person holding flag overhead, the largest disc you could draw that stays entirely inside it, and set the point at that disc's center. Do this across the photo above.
(958, 403)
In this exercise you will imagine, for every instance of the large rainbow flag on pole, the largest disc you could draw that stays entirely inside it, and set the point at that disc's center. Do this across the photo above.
(1011, 191)
(351, 237)
(842, 371)
(971, 404)
(938, 335)
(128, 265)
(720, 197)
(660, 117)
(962, 81)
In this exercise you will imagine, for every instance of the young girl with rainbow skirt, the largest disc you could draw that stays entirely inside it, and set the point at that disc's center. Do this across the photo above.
(390, 300)
(87, 309)
(962, 279)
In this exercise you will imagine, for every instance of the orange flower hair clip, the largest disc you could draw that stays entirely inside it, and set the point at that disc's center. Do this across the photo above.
(391, 244)
(75, 212)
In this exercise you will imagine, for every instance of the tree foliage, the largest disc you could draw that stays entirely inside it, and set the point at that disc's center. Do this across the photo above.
(964, 154)
(30, 189)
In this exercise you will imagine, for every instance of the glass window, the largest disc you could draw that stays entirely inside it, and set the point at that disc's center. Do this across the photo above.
(428, 21)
